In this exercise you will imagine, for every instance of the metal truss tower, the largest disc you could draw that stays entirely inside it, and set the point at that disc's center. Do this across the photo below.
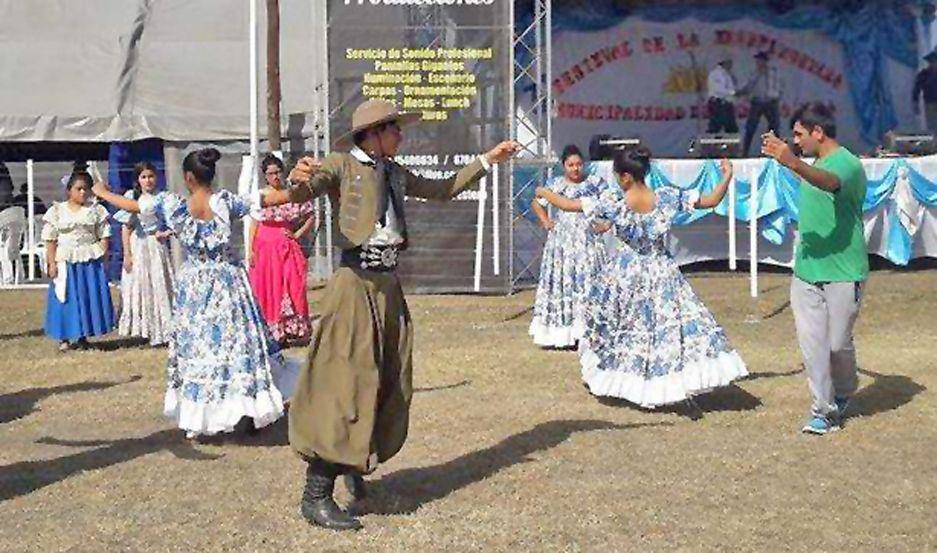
(532, 99)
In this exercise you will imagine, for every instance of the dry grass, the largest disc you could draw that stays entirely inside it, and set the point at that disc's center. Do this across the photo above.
(507, 451)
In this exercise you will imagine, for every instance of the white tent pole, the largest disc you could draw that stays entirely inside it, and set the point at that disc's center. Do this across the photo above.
(480, 231)
(254, 112)
(753, 231)
(316, 144)
(327, 131)
(495, 221)
(30, 218)
(732, 259)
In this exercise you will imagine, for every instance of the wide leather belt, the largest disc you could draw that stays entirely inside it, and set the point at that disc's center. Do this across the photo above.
(381, 259)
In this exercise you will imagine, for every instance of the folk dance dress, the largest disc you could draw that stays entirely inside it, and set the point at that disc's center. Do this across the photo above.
(278, 273)
(79, 303)
(572, 254)
(649, 339)
(146, 290)
(223, 365)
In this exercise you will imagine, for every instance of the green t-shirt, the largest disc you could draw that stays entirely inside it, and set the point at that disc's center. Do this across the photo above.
(832, 244)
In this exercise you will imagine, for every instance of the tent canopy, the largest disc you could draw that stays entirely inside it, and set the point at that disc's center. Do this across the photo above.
(122, 70)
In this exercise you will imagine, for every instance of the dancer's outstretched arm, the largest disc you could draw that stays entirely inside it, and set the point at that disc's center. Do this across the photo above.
(309, 179)
(101, 190)
(558, 201)
(712, 200)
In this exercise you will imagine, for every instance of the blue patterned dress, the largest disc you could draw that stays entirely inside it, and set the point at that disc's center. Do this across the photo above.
(222, 363)
(649, 339)
(572, 254)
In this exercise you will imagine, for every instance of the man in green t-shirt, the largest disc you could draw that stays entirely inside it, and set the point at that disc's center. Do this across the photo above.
(830, 260)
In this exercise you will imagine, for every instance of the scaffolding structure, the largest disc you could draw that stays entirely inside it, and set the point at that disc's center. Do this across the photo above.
(531, 127)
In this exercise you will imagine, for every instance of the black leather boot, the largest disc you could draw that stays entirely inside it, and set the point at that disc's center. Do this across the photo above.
(317, 506)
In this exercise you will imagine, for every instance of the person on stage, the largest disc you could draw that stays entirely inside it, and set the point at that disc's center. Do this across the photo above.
(222, 365)
(831, 263)
(146, 285)
(76, 234)
(721, 90)
(572, 254)
(649, 339)
(764, 89)
(351, 407)
(277, 263)
(925, 85)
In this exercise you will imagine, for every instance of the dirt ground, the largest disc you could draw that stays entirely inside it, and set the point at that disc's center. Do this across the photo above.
(507, 450)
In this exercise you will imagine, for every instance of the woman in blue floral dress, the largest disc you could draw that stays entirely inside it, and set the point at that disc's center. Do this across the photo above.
(223, 365)
(573, 252)
(649, 339)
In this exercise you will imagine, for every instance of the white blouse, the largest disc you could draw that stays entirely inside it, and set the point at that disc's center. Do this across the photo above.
(77, 233)
(144, 223)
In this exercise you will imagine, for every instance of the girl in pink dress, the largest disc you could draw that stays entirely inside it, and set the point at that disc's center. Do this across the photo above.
(277, 264)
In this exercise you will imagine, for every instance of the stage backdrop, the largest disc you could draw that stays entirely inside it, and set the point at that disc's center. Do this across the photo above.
(451, 62)
(643, 73)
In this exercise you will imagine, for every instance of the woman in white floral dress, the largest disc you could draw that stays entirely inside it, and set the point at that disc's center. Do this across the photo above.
(223, 365)
(572, 254)
(649, 339)
(147, 281)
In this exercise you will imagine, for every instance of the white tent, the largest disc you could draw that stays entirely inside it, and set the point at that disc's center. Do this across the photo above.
(122, 70)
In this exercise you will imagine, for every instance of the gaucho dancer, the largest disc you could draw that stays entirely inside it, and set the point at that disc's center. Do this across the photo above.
(351, 406)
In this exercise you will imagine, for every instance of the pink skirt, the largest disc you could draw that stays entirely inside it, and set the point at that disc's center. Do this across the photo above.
(278, 279)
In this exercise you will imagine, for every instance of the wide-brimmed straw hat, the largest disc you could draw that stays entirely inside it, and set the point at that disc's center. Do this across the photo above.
(372, 113)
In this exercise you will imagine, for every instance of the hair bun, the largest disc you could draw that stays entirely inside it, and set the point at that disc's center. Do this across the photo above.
(641, 153)
(208, 156)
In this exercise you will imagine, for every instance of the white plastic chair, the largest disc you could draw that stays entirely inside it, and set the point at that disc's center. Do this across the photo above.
(39, 247)
(12, 223)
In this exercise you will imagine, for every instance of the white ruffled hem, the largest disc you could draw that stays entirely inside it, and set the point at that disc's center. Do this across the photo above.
(212, 418)
(78, 254)
(696, 378)
(555, 336)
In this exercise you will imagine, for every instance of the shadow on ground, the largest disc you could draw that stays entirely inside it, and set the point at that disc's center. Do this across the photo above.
(405, 491)
(26, 477)
(118, 343)
(24, 334)
(887, 392)
(727, 398)
(20, 404)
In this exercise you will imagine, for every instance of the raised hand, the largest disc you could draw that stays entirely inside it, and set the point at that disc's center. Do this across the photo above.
(726, 167)
(100, 188)
(503, 151)
(775, 148)
(304, 169)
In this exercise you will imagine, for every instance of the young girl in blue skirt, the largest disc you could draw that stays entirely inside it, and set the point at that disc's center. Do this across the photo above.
(76, 236)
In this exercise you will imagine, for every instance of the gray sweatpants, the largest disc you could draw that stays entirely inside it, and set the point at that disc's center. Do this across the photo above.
(824, 315)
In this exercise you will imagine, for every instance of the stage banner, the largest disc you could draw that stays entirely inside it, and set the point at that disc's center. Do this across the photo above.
(451, 61)
(647, 79)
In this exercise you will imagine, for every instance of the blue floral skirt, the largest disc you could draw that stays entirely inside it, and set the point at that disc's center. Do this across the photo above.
(87, 309)
(571, 256)
(223, 364)
(649, 339)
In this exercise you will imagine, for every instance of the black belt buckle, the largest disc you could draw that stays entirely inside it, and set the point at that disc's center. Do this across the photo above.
(372, 258)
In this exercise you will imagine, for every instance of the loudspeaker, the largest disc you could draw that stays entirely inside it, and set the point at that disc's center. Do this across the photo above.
(603, 146)
(715, 146)
(909, 143)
